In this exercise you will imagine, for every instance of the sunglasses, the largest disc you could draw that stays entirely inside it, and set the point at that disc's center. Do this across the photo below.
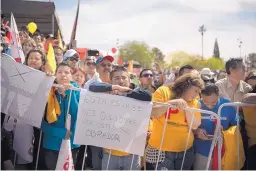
(147, 75)
(90, 64)
(73, 59)
(105, 65)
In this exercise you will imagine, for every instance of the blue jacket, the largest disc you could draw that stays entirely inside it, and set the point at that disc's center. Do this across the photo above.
(55, 132)
(227, 112)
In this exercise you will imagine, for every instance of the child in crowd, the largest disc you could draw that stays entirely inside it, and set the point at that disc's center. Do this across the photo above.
(210, 101)
(53, 124)
(79, 77)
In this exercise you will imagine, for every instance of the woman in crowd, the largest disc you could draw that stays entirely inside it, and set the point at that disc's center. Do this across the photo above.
(58, 52)
(53, 124)
(28, 45)
(79, 77)
(23, 36)
(182, 94)
(210, 101)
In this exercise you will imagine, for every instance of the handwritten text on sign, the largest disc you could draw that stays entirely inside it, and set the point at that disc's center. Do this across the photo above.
(24, 91)
(111, 121)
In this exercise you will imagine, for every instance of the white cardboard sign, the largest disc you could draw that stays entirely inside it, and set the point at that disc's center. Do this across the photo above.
(24, 91)
(111, 121)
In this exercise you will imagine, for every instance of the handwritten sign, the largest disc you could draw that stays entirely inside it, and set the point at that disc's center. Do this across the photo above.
(111, 121)
(24, 91)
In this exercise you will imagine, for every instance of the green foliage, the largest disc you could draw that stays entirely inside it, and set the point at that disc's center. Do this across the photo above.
(216, 63)
(251, 61)
(138, 51)
(180, 58)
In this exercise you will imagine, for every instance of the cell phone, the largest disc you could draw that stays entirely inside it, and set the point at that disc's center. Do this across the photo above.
(210, 136)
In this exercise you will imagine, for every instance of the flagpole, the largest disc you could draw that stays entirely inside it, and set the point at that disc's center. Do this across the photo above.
(73, 34)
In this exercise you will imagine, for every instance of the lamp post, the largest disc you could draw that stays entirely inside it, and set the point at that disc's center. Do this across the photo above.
(202, 29)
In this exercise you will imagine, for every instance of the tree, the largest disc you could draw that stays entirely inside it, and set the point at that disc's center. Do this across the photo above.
(138, 51)
(216, 51)
(215, 63)
(251, 61)
(157, 54)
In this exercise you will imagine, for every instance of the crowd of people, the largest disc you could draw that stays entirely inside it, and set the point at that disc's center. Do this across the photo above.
(182, 87)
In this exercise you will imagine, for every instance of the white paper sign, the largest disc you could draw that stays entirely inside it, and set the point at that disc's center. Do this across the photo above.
(111, 121)
(24, 91)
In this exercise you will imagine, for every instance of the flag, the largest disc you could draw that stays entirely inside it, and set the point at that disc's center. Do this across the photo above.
(60, 41)
(73, 34)
(16, 49)
(65, 160)
(51, 61)
(130, 66)
(120, 61)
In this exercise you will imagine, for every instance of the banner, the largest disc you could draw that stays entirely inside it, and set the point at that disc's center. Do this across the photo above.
(24, 91)
(73, 34)
(16, 49)
(111, 121)
(65, 160)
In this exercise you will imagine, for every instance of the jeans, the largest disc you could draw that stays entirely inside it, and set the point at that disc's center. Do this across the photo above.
(51, 158)
(173, 160)
(96, 157)
(252, 158)
(201, 162)
(120, 162)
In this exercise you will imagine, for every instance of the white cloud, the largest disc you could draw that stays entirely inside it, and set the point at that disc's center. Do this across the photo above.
(169, 25)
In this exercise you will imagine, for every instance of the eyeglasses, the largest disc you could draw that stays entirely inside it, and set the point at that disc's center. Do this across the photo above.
(106, 65)
(147, 75)
(73, 59)
(90, 64)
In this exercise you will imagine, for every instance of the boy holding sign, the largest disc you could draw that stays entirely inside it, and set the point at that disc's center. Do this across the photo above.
(54, 124)
(120, 83)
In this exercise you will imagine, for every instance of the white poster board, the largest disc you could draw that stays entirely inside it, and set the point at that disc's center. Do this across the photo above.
(24, 91)
(111, 121)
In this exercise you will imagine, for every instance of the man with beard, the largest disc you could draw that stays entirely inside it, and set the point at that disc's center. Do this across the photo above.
(104, 67)
(119, 85)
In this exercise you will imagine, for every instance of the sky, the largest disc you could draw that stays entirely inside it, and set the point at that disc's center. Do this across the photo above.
(167, 24)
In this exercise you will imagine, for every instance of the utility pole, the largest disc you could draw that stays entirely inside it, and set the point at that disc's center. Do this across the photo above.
(240, 46)
(202, 29)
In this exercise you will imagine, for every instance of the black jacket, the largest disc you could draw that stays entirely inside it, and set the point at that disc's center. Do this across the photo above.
(138, 93)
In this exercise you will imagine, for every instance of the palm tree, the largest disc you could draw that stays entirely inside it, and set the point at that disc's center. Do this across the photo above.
(202, 29)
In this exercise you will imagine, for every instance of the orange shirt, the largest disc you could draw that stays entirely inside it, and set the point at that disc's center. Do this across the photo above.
(176, 134)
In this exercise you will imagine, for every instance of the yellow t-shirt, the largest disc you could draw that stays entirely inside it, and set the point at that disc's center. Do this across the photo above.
(117, 153)
(176, 134)
(250, 126)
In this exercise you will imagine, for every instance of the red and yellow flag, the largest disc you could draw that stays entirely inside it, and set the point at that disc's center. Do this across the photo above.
(130, 66)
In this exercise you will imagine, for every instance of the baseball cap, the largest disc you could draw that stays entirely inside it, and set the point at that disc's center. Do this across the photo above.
(69, 53)
(101, 58)
(49, 36)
